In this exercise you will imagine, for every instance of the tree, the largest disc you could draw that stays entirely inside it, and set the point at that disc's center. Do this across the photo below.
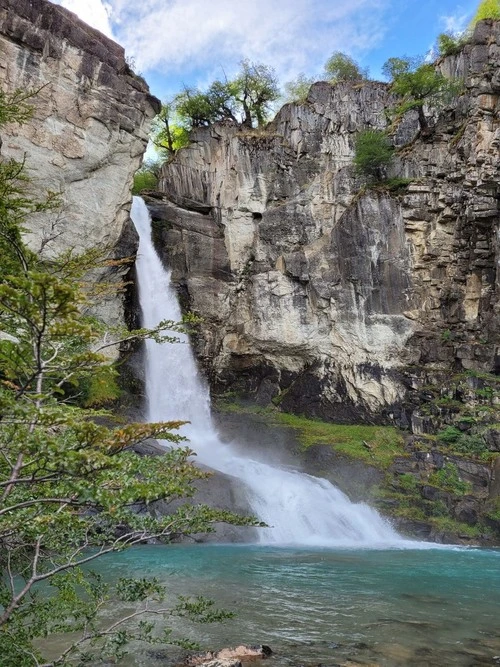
(168, 133)
(298, 89)
(419, 84)
(449, 43)
(373, 154)
(341, 67)
(70, 486)
(255, 88)
(146, 177)
(247, 99)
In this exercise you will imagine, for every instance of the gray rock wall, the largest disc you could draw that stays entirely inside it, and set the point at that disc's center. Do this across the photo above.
(88, 132)
(326, 297)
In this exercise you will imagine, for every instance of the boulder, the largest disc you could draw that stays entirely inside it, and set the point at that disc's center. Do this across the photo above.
(228, 656)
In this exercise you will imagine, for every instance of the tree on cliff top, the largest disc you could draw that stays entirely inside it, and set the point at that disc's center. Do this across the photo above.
(168, 134)
(298, 89)
(450, 43)
(245, 99)
(341, 67)
(255, 88)
(419, 84)
(68, 484)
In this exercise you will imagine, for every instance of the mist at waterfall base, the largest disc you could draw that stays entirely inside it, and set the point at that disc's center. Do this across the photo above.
(298, 508)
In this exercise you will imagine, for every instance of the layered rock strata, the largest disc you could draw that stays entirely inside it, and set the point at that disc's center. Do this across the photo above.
(325, 296)
(88, 133)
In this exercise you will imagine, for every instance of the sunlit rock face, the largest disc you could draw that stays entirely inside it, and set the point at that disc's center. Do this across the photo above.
(89, 129)
(326, 297)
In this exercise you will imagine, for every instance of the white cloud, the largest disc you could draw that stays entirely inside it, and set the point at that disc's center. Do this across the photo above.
(291, 35)
(193, 40)
(94, 12)
(455, 23)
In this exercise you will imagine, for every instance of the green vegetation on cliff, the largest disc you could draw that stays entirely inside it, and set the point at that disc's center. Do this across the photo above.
(419, 84)
(487, 9)
(373, 154)
(375, 445)
(341, 68)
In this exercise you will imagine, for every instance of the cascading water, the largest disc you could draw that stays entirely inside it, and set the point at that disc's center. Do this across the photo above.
(299, 508)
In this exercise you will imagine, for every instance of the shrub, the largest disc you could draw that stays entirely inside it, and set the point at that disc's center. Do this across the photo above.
(487, 9)
(373, 154)
(463, 443)
(144, 179)
(449, 435)
(471, 444)
(449, 44)
(447, 478)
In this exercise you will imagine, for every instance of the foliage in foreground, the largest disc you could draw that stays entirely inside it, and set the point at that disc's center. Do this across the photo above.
(71, 487)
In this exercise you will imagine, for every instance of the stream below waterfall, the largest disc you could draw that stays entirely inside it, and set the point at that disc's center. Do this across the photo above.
(437, 607)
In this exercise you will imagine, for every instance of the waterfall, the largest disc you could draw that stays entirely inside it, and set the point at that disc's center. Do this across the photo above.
(298, 508)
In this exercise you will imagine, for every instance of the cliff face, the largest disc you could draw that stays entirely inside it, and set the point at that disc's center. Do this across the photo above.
(329, 298)
(89, 129)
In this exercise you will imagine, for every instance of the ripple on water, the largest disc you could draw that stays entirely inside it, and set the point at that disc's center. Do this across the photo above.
(392, 607)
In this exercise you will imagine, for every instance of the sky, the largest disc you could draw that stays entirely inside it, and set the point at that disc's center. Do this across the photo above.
(178, 43)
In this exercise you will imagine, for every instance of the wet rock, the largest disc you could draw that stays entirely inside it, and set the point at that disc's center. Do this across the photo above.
(432, 493)
(492, 438)
(467, 511)
(396, 653)
(222, 662)
(413, 527)
(477, 474)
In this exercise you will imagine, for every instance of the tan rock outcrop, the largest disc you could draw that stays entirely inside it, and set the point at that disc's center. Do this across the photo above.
(331, 299)
(88, 132)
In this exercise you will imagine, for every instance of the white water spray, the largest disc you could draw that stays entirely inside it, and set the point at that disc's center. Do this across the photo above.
(299, 508)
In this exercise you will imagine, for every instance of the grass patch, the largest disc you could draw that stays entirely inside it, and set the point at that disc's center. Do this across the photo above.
(376, 445)
(447, 478)
(446, 524)
(488, 377)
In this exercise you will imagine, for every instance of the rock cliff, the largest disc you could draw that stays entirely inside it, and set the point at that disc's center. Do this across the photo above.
(322, 295)
(88, 132)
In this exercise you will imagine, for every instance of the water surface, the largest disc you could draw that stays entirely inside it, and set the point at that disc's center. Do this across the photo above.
(434, 606)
